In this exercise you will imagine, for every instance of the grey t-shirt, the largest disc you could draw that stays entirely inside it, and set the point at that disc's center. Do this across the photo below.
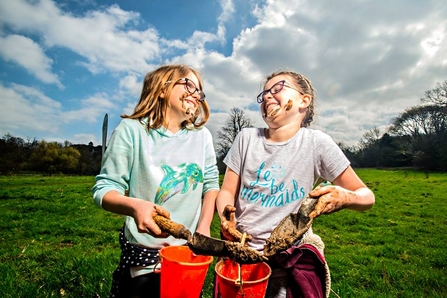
(276, 177)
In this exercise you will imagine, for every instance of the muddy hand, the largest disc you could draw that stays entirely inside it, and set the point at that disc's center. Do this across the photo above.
(331, 199)
(291, 228)
(158, 231)
(172, 228)
(162, 211)
(228, 225)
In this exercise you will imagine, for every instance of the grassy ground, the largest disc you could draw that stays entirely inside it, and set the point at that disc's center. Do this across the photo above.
(54, 242)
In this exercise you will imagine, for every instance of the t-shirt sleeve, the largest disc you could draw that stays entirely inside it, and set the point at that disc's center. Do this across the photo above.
(233, 160)
(331, 159)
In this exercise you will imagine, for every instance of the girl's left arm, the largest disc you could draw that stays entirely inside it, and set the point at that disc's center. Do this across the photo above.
(348, 191)
(210, 188)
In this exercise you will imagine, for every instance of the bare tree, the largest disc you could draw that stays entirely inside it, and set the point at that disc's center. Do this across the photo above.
(234, 124)
(419, 121)
(425, 128)
(370, 138)
(437, 96)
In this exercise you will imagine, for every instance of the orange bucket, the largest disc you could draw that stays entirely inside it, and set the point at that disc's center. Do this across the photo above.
(182, 272)
(254, 279)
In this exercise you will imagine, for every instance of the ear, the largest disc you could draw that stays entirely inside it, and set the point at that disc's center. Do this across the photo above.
(305, 101)
(162, 94)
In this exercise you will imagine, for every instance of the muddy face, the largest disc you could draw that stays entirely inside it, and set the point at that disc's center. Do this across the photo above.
(188, 105)
(272, 109)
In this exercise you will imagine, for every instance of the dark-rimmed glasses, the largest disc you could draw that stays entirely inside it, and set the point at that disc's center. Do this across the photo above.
(190, 86)
(275, 89)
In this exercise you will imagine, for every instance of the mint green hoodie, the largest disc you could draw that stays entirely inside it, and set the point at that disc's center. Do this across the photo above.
(172, 170)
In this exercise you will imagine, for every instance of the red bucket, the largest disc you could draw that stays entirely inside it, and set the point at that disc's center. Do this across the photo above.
(182, 272)
(254, 279)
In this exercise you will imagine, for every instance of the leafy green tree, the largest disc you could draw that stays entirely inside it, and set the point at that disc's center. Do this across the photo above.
(90, 159)
(15, 152)
(11, 159)
(52, 157)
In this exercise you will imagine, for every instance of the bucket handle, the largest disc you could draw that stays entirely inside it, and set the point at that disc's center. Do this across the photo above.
(239, 281)
(155, 267)
(156, 264)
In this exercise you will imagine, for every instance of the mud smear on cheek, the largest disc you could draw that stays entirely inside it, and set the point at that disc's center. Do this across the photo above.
(187, 110)
(271, 112)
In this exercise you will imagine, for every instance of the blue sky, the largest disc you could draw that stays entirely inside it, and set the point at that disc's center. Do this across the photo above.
(64, 64)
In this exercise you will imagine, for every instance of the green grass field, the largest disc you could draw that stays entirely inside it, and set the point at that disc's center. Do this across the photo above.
(54, 242)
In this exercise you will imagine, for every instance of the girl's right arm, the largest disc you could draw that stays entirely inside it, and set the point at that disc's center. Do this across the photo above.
(142, 211)
(228, 190)
(225, 206)
(113, 182)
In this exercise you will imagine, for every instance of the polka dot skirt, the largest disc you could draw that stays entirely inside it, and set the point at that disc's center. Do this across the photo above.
(131, 255)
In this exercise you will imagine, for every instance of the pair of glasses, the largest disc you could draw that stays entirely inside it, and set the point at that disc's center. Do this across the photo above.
(190, 87)
(275, 89)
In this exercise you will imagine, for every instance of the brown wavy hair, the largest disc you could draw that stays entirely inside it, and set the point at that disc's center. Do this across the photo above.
(153, 107)
(306, 87)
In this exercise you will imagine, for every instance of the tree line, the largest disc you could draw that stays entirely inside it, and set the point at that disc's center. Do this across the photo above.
(30, 156)
(416, 138)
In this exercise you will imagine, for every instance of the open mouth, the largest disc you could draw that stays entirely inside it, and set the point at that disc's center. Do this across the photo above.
(271, 109)
(189, 105)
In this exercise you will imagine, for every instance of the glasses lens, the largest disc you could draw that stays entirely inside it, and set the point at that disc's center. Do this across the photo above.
(273, 90)
(260, 97)
(190, 86)
(277, 87)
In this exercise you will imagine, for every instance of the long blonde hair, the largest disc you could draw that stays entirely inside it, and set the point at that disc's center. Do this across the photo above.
(153, 107)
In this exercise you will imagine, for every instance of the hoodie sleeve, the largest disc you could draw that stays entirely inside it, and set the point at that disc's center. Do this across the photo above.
(211, 176)
(117, 164)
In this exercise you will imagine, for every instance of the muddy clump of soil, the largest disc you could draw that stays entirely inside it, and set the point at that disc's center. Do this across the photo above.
(290, 229)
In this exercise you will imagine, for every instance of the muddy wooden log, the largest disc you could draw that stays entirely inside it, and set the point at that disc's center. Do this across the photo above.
(173, 228)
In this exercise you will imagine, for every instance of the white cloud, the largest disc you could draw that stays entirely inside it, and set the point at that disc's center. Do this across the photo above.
(28, 54)
(228, 10)
(28, 109)
(84, 138)
(92, 108)
(130, 84)
(99, 37)
(368, 60)
(356, 60)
